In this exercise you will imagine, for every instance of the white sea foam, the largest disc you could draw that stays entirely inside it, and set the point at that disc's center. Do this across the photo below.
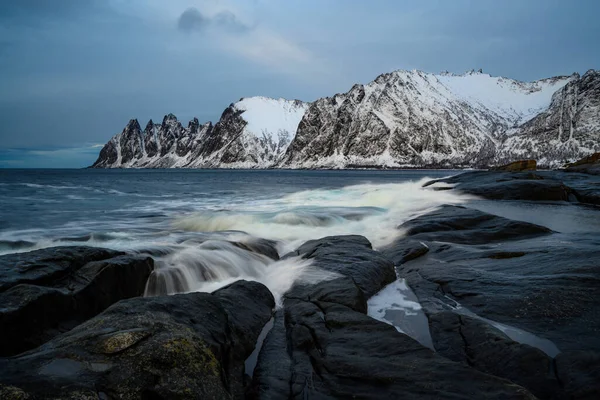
(200, 250)
(216, 263)
(371, 210)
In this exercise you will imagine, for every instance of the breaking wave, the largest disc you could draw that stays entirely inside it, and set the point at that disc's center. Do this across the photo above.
(202, 241)
(371, 210)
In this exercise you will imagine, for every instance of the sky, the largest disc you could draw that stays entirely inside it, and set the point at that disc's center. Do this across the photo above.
(73, 72)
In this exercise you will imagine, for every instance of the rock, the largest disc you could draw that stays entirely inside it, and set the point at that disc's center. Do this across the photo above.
(181, 346)
(485, 348)
(579, 373)
(527, 186)
(537, 287)
(353, 256)
(46, 292)
(323, 345)
(587, 165)
(403, 250)
(499, 185)
(260, 246)
(457, 224)
(562, 307)
(518, 166)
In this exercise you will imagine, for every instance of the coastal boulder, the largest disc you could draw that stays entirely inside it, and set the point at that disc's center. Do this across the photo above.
(520, 303)
(169, 347)
(323, 345)
(457, 224)
(46, 292)
(502, 185)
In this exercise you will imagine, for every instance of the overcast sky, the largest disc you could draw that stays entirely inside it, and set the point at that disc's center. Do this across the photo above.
(73, 72)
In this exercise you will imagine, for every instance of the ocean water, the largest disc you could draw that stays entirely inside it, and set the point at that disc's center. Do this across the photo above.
(192, 221)
(188, 219)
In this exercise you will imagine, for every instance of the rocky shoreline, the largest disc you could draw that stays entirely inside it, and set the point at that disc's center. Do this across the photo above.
(512, 310)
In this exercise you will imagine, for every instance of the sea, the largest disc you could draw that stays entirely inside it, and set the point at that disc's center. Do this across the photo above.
(192, 221)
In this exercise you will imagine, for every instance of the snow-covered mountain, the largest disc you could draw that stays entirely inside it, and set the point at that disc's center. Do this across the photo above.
(401, 119)
(252, 133)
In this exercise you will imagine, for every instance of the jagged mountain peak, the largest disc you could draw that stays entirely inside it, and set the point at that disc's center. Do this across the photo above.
(149, 125)
(133, 124)
(401, 118)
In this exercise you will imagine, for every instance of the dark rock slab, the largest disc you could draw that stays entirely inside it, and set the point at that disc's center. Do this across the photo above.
(497, 185)
(544, 285)
(585, 187)
(324, 346)
(457, 224)
(170, 347)
(350, 255)
(46, 292)
(478, 344)
(527, 186)
(579, 373)
(402, 250)
(260, 246)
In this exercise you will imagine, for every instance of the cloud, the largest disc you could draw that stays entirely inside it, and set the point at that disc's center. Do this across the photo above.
(193, 20)
(271, 50)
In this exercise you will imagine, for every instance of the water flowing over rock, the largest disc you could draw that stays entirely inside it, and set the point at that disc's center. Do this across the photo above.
(401, 119)
(323, 345)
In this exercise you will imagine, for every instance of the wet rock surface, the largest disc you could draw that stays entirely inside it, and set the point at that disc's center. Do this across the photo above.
(458, 224)
(46, 292)
(510, 310)
(181, 346)
(526, 186)
(323, 345)
(506, 297)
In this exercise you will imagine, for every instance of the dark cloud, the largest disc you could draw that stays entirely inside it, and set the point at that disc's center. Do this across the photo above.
(193, 20)
(229, 21)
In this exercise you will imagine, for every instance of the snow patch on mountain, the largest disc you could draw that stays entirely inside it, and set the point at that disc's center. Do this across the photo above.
(513, 100)
(271, 118)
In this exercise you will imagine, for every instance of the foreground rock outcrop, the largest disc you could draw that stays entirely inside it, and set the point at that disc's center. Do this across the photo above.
(323, 345)
(169, 347)
(525, 186)
(508, 298)
(463, 304)
(46, 292)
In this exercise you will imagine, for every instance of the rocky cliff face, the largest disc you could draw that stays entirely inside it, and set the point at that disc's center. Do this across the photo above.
(401, 119)
(566, 131)
(251, 133)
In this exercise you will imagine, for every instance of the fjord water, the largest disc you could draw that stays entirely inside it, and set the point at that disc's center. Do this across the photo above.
(193, 221)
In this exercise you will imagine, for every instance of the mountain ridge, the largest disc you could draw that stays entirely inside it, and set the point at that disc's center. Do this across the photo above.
(401, 119)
